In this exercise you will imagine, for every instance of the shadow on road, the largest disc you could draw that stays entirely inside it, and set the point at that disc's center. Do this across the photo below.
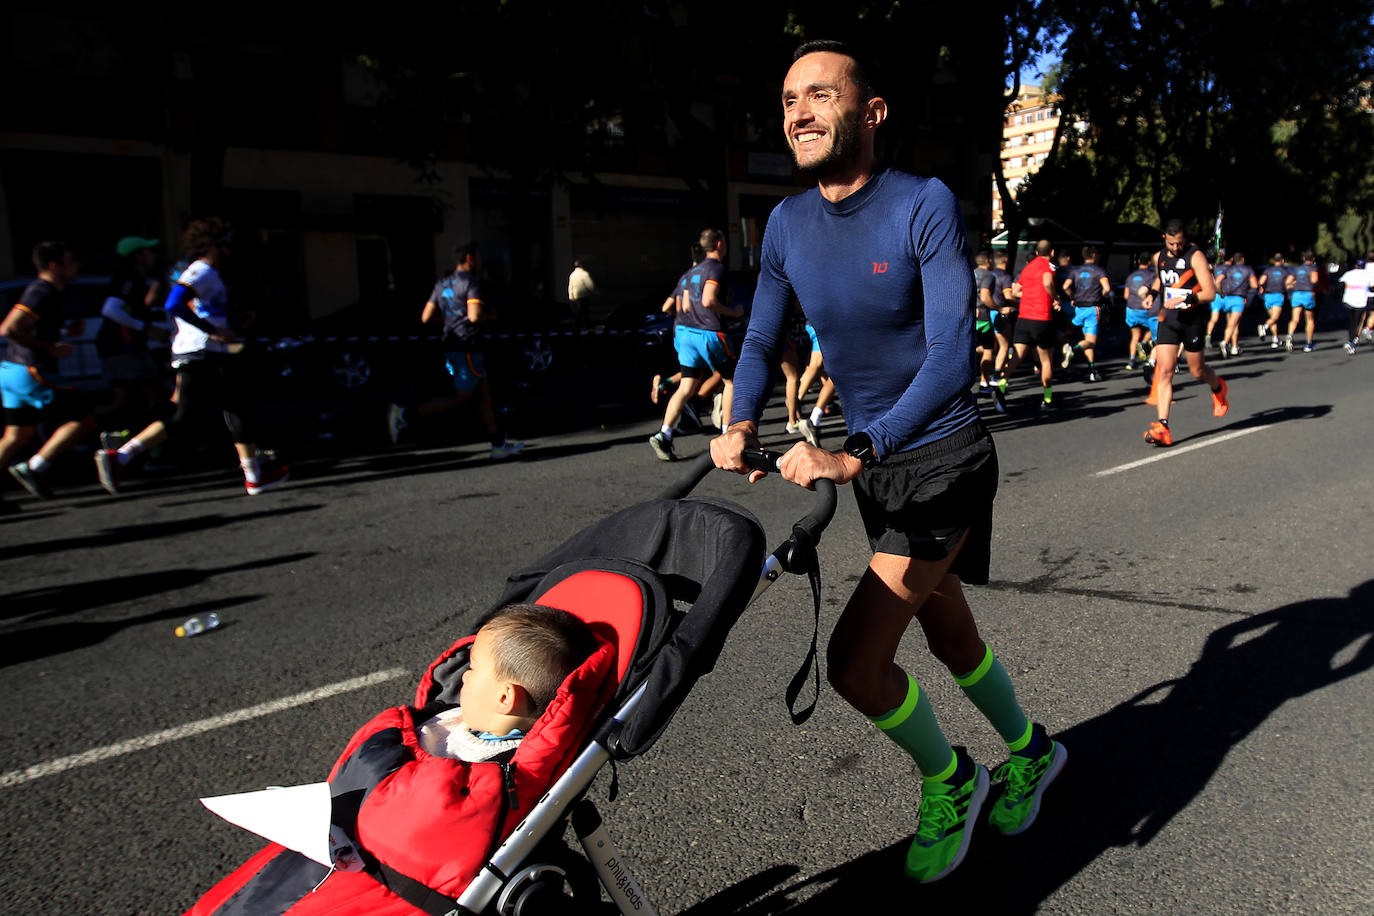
(54, 639)
(1125, 780)
(144, 532)
(73, 598)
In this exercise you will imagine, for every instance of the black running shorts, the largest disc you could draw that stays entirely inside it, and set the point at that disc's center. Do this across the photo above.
(919, 503)
(1037, 333)
(1184, 326)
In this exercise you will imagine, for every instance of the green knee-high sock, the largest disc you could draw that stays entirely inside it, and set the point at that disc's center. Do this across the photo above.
(990, 689)
(912, 725)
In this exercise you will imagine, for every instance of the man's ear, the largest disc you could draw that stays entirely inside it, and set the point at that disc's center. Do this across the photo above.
(876, 112)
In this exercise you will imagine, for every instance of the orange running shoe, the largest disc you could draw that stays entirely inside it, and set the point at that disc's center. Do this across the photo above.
(1219, 403)
(1158, 434)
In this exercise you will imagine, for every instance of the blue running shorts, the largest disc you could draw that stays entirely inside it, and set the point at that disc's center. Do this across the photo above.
(1273, 300)
(1231, 305)
(467, 369)
(1086, 318)
(1302, 299)
(697, 348)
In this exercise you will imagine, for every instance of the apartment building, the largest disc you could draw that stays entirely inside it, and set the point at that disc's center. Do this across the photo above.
(1027, 135)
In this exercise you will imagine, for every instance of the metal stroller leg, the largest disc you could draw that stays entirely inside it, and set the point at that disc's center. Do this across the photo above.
(610, 868)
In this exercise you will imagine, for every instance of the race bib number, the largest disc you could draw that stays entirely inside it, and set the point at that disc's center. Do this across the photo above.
(1176, 298)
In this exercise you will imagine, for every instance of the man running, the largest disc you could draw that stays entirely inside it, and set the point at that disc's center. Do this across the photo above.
(1182, 285)
(877, 259)
(1302, 300)
(208, 378)
(129, 369)
(699, 337)
(31, 390)
(456, 305)
(1355, 298)
(985, 282)
(1003, 323)
(1236, 285)
(1139, 320)
(1035, 320)
(1273, 283)
(1089, 288)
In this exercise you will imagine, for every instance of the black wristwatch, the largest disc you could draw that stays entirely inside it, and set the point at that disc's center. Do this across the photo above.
(860, 446)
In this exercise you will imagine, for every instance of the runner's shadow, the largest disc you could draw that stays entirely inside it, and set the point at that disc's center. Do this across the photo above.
(54, 639)
(1131, 770)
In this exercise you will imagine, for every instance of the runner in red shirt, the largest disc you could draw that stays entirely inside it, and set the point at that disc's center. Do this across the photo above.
(1035, 323)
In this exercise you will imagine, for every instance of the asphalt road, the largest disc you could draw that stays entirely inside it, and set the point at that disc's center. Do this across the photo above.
(1198, 630)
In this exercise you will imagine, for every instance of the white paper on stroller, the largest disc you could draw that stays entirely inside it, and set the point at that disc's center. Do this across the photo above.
(296, 817)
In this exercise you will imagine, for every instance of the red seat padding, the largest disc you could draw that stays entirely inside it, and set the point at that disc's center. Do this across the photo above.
(611, 603)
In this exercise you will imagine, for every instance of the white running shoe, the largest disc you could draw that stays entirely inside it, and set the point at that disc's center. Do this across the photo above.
(805, 427)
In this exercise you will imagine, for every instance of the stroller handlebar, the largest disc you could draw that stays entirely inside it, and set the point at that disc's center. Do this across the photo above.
(813, 523)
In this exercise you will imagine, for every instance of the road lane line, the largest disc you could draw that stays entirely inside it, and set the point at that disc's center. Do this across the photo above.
(1171, 452)
(190, 729)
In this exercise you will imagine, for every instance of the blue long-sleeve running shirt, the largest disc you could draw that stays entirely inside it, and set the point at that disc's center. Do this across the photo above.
(884, 278)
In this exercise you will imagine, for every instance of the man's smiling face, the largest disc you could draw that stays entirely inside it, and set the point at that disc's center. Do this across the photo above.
(822, 113)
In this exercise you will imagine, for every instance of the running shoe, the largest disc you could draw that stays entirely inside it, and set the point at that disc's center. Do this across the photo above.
(1024, 780)
(948, 813)
(662, 446)
(1094, 377)
(1219, 402)
(718, 410)
(109, 470)
(1158, 434)
(268, 480)
(1130, 364)
(808, 431)
(1262, 330)
(113, 440)
(1235, 349)
(999, 399)
(1350, 348)
(1288, 343)
(1274, 342)
(1068, 356)
(31, 480)
(792, 428)
(395, 422)
(508, 448)
(1367, 335)
(1308, 347)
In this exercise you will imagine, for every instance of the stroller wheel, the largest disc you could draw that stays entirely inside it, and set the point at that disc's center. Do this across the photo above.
(535, 890)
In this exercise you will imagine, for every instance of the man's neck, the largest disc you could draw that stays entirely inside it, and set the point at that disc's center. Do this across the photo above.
(836, 188)
(52, 278)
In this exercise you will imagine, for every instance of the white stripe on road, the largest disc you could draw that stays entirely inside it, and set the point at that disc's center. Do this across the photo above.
(190, 729)
(1169, 453)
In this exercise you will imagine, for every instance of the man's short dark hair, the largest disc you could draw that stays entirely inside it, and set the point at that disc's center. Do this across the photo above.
(1143, 259)
(983, 258)
(45, 253)
(1089, 252)
(200, 234)
(710, 238)
(461, 252)
(1043, 248)
(1175, 227)
(858, 73)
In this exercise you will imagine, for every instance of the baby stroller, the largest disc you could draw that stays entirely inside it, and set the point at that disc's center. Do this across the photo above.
(661, 584)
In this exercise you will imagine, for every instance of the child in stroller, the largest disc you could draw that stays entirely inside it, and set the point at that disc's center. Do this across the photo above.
(412, 833)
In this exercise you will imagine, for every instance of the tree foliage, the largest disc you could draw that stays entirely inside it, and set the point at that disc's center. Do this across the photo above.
(1259, 108)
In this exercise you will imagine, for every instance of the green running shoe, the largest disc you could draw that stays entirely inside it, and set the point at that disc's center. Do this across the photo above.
(948, 813)
(1024, 780)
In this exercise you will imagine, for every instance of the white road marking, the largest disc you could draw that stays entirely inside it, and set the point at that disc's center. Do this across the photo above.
(190, 729)
(1171, 452)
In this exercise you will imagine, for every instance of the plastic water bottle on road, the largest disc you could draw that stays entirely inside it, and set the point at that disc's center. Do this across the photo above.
(197, 625)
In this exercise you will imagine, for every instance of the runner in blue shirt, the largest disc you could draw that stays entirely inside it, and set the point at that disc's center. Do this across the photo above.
(1143, 324)
(699, 337)
(1302, 300)
(1090, 290)
(1236, 286)
(877, 258)
(1274, 283)
(456, 305)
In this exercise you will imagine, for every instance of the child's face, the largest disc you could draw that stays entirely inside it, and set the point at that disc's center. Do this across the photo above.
(481, 693)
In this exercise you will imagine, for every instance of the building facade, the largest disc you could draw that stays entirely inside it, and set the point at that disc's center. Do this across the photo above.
(1027, 136)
